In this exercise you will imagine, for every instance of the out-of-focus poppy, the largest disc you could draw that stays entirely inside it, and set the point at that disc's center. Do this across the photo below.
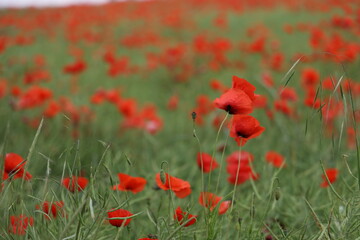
(119, 213)
(180, 187)
(274, 158)
(180, 215)
(210, 201)
(206, 163)
(240, 174)
(331, 174)
(19, 224)
(75, 183)
(51, 208)
(129, 183)
(14, 166)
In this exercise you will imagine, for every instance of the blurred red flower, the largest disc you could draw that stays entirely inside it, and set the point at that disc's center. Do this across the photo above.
(19, 224)
(210, 201)
(119, 213)
(240, 174)
(180, 187)
(14, 166)
(75, 183)
(129, 183)
(51, 208)
(331, 174)
(276, 159)
(208, 163)
(180, 215)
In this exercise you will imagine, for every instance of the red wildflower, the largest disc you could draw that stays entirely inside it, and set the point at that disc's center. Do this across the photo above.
(331, 174)
(283, 106)
(210, 201)
(76, 67)
(217, 85)
(14, 166)
(275, 159)
(208, 163)
(19, 224)
(129, 183)
(34, 96)
(52, 109)
(260, 101)
(75, 183)
(238, 99)
(245, 127)
(180, 187)
(240, 174)
(180, 215)
(119, 213)
(310, 77)
(51, 208)
(173, 102)
(288, 94)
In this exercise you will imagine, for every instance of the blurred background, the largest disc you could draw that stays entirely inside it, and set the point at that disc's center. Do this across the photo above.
(49, 3)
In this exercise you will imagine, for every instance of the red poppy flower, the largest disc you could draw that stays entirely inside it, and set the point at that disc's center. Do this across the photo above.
(245, 127)
(75, 183)
(180, 215)
(332, 174)
(260, 101)
(14, 166)
(129, 183)
(119, 213)
(275, 159)
(240, 174)
(51, 208)
(19, 224)
(238, 99)
(283, 107)
(310, 77)
(173, 102)
(288, 94)
(208, 163)
(52, 109)
(180, 187)
(76, 67)
(210, 201)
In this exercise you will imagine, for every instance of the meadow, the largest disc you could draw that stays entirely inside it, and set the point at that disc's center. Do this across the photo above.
(181, 119)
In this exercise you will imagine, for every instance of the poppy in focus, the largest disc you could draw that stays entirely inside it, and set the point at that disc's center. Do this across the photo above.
(238, 99)
(245, 127)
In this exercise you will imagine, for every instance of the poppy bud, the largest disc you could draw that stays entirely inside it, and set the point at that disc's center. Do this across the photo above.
(162, 176)
(277, 193)
(193, 115)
